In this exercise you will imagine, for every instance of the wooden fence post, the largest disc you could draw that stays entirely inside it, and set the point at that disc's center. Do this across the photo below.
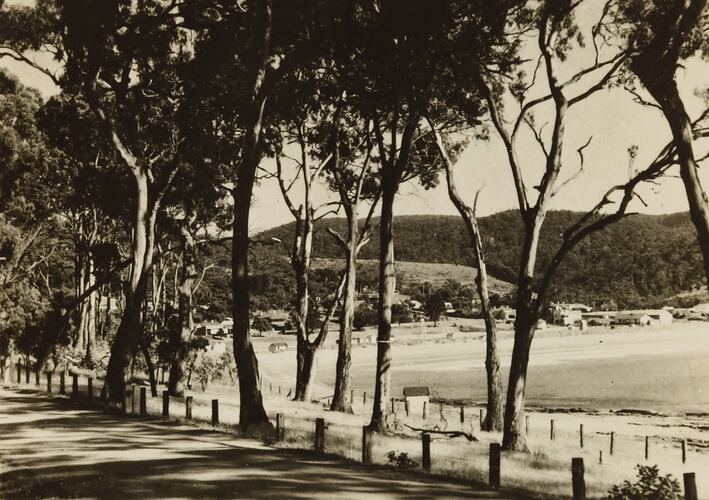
(551, 430)
(480, 417)
(62, 382)
(188, 407)
(165, 404)
(215, 411)
(74, 386)
(690, 486)
(393, 405)
(494, 474)
(49, 382)
(320, 435)
(132, 398)
(600, 457)
(36, 378)
(124, 410)
(612, 441)
(577, 479)
(462, 414)
(351, 396)
(581, 435)
(279, 390)
(19, 372)
(426, 451)
(364, 398)
(684, 451)
(366, 445)
(27, 374)
(647, 447)
(407, 408)
(143, 401)
(425, 410)
(526, 425)
(280, 427)
(90, 389)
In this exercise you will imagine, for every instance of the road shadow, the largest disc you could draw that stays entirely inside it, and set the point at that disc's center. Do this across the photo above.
(55, 449)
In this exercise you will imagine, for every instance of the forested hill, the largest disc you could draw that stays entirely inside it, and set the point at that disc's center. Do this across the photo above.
(640, 261)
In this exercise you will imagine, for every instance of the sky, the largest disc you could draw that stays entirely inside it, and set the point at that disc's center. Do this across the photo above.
(611, 118)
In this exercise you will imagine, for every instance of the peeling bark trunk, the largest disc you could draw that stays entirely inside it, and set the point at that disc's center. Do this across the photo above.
(342, 400)
(387, 284)
(181, 337)
(131, 325)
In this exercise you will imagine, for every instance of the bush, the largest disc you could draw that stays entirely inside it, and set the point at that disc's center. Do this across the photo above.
(401, 460)
(650, 486)
(364, 316)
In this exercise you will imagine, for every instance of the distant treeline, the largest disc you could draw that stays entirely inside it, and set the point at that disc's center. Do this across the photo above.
(643, 261)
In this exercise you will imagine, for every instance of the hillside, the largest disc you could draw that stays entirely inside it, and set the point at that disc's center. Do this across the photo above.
(641, 261)
(422, 272)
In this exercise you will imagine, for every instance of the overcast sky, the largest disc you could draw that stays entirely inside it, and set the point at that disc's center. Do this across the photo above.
(611, 117)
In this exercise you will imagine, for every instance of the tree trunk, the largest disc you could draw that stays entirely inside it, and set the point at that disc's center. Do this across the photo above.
(151, 370)
(341, 400)
(130, 327)
(668, 98)
(514, 432)
(387, 284)
(307, 362)
(493, 418)
(251, 410)
(181, 337)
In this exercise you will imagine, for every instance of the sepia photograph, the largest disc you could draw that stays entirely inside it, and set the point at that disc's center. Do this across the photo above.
(354, 249)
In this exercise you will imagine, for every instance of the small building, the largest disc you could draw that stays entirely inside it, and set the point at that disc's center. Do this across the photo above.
(218, 328)
(566, 317)
(632, 318)
(415, 397)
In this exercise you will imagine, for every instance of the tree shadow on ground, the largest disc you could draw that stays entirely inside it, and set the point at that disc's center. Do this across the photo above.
(53, 449)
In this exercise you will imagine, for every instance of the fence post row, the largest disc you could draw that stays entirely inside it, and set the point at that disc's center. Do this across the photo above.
(426, 451)
(143, 401)
(188, 407)
(215, 411)
(165, 404)
(690, 486)
(494, 474)
(366, 445)
(320, 435)
(577, 480)
(280, 427)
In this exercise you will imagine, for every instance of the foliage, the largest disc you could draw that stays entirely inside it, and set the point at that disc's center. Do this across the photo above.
(364, 316)
(262, 324)
(649, 486)
(638, 262)
(435, 305)
(401, 460)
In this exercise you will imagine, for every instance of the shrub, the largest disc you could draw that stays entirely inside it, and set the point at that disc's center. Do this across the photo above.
(401, 460)
(649, 486)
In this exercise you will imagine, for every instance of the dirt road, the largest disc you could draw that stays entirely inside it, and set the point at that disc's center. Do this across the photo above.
(53, 448)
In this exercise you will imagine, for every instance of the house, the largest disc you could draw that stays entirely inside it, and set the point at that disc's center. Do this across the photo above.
(212, 328)
(415, 397)
(566, 317)
(659, 316)
(507, 314)
(632, 318)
